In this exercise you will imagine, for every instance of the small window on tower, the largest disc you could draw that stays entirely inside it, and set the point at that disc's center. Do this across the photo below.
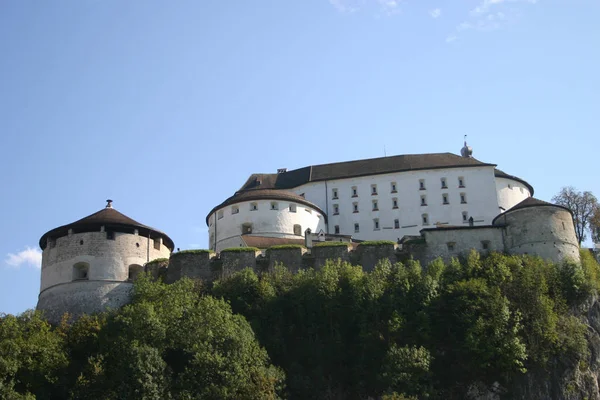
(246, 228)
(354, 191)
(235, 209)
(423, 200)
(337, 229)
(375, 205)
(334, 193)
(336, 209)
(445, 199)
(292, 208)
(465, 216)
(355, 207)
(461, 182)
(451, 246)
(274, 205)
(376, 224)
(253, 206)
(425, 219)
(373, 189)
(220, 214)
(156, 244)
(463, 198)
(110, 235)
(297, 230)
(485, 244)
(356, 228)
(396, 224)
(421, 184)
(444, 185)
(393, 186)
(81, 271)
(394, 203)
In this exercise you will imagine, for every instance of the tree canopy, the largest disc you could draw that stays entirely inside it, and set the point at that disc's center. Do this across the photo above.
(402, 331)
(585, 208)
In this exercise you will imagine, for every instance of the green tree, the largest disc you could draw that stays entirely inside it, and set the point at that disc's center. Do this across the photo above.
(583, 205)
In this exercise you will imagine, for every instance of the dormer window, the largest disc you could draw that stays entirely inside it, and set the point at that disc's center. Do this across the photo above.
(274, 205)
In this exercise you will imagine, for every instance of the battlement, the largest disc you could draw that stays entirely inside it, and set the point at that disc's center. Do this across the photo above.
(209, 266)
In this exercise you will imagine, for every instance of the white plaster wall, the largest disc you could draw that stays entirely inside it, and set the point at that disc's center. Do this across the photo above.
(265, 222)
(480, 189)
(108, 260)
(510, 193)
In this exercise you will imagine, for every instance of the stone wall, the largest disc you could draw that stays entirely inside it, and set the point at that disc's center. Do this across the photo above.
(323, 253)
(194, 265)
(370, 255)
(292, 258)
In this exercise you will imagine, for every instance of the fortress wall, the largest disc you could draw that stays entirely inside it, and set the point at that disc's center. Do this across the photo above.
(233, 261)
(290, 258)
(191, 265)
(369, 255)
(83, 297)
(158, 270)
(324, 253)
(448, 243)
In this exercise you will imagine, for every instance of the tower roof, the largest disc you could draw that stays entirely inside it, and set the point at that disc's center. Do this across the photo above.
(109, 218)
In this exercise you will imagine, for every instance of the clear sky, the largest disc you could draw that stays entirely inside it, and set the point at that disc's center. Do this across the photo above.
(166, 107)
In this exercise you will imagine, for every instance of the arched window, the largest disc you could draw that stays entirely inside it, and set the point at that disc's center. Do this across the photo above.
(134, 270)
(246, 228)
(81, 271)
(297, 230)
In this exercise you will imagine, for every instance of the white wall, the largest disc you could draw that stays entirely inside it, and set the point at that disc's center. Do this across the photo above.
(510, 193)
(480, 190)
(108, 260)
(265, 222)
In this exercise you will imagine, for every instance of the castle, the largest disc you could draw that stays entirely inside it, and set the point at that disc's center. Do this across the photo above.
(429, 205)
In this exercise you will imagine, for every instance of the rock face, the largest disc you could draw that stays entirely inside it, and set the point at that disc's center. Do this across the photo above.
(562, 379)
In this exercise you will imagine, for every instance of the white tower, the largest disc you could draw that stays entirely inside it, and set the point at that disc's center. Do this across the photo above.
(89, 265)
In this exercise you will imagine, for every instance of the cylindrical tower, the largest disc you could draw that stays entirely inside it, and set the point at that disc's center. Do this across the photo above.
(263, 212)
(90, 264)
(539, 228)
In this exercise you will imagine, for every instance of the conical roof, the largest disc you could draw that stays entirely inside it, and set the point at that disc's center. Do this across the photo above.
(531, 202)
(110, 219)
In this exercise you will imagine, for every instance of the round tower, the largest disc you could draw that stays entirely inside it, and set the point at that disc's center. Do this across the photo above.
(539, 228)
(247, 216)
(89, 265)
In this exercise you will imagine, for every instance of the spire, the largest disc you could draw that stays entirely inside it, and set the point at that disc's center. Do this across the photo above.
(109, 203)
(466, 151)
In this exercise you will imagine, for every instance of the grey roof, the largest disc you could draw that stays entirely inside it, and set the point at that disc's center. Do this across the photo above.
(371, 166)
(109, 218)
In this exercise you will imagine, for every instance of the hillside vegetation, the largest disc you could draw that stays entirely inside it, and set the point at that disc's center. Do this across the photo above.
(401, 331)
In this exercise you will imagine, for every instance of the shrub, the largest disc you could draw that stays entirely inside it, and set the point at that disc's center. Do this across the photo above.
(377, 243)
(240, 250)
(286, 246)
(158, 261)
(331, 244)
(198, 251)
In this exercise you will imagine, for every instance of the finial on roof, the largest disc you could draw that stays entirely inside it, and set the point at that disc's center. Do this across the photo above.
(109, 203)
(466, 151)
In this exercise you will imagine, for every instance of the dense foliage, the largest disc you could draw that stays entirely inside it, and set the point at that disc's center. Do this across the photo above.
(399, 332)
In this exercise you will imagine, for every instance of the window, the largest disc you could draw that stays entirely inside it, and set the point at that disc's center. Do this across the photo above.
(465, 216)
(423, 200)
(308, 210)
(451, 246)
(220, 214)
(355, 207)
(274, 205)
(81, 271)
(393, 187)
(425, 219)
(337, 229)
(396, 224)
(292, 208)
(509, 186)
(421, 184)
(253, 206)
(445, 199)
(356, 228)
(375, 205)
(297, 230)
(354, 191)
(336, 209)
(521, 189)
(461, 182)
(235, 210)
(373, 190)
(133, 272)
(485, 244)
(444, 185)
(110, 235)
(246, 228)
(463, 198)
(394, 203)
(376, 224)
(156, 244)
(334, 193)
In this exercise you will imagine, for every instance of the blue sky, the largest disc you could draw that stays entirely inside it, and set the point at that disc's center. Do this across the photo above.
(167, 107)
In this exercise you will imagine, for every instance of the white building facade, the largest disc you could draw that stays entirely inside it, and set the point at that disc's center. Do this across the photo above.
(376, 199)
